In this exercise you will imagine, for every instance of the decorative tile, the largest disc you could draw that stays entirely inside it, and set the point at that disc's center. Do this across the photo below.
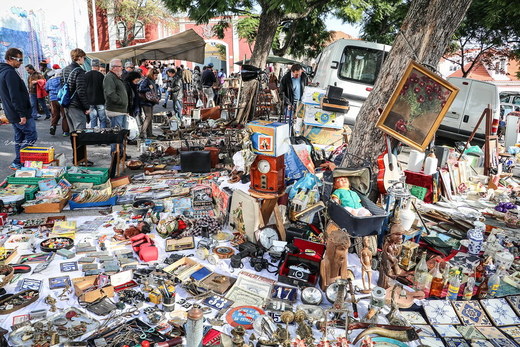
(491, 332)
(514, 301)
(500, 312)
(456, 342)
(471, 313)
(413, 317)
(512, 332)
(425, 330)
(440, 312)
(503, 343)
(447, 331)
(432, 342)
(470, 332)
(481, 343)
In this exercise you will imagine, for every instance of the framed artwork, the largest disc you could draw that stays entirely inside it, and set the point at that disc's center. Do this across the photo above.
(491, 153)
(417, 107)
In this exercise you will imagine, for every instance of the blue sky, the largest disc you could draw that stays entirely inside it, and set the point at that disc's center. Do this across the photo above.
(337, 25)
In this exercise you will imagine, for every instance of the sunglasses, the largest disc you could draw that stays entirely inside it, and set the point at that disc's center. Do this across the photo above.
(20, 60)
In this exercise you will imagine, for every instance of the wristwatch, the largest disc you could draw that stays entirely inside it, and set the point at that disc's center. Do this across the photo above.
(311, 296)
(223, 252)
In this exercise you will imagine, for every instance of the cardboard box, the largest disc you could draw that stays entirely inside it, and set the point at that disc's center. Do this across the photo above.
(316, 116)
(189, 267)
(324, 136)
(47, 207)
(120, 181)
(269, 138)
(83, 286)
(311, 261)
(313, 95)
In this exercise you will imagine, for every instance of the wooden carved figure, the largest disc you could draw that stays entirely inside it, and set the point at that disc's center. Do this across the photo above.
(389, 268)
(335, 261)
(366, 266)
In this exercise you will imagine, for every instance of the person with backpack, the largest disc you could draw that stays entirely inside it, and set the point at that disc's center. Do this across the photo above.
(53, 86)
(16, 104)
(79, 108)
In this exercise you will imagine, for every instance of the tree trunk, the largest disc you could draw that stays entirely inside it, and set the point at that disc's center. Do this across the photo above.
(269, 22)
(425, 34)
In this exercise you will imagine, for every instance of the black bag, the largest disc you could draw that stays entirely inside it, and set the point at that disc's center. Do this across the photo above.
(101, 306)
(196, 161)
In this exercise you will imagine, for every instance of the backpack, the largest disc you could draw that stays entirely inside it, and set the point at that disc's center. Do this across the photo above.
(64, 97)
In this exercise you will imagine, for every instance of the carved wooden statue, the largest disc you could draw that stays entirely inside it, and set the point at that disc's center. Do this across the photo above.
(366, 266)
(335, 261)
(389, 268)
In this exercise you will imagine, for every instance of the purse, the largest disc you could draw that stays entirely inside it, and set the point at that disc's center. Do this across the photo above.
(152, 97)
(101, 306)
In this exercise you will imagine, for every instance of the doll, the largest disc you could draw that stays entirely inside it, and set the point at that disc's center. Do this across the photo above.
(347, 198)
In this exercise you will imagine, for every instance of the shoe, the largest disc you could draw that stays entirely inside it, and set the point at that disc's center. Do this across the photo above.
(14, 166)
(164, 105)
(128, 156)
(66, 134)
(47, 117)
(37, 117)
(52, 130)
(88, 163)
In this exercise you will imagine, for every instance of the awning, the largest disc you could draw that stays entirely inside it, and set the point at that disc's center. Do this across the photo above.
(272, 59)
(187, 45)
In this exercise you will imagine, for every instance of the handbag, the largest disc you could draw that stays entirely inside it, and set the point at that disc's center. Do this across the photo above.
(151, 96)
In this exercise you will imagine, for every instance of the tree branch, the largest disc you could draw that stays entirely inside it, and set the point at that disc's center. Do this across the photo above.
(309, 8)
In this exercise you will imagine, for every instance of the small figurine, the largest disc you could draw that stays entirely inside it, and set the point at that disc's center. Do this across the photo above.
(366, 266)
(49, 300)
(304, 330)
(389, 268)
(238, 336)
(335, 261)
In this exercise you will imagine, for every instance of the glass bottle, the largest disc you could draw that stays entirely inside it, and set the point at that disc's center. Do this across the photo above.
(468, 290)
(437, 284)
(493, 284)
(454, 286)
(421, 274)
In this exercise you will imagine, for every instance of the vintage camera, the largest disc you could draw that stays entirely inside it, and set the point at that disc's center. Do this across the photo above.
(249, 249)
(299, 272)
(259, 263)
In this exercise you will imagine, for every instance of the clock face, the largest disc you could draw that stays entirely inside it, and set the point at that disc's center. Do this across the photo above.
(202, 253)
(264, 166)
(213, 259)
(267, 236)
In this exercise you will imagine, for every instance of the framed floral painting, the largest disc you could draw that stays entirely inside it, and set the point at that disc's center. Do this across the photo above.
(417, 106)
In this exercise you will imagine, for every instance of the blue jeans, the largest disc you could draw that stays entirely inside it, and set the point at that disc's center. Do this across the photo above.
(177, 107)
(167, 97)
(98, 112)
(117, 121)
(34, 105)
(24, 135)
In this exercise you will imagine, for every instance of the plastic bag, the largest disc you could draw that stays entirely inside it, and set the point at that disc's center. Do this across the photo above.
(133, 127)
(199, 104)
(294, 168)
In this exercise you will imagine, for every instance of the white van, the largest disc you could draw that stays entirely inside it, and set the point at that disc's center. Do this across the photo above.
(464, 114)
(352, 65)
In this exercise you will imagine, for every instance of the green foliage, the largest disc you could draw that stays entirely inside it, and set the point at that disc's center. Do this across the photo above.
(247, 28)
(491, 27)
(131, 11)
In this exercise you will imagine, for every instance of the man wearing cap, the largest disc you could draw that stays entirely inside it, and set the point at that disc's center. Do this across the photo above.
(208, 79)
(16, 103)
(96, 99)
(129, 67)
(53, 86)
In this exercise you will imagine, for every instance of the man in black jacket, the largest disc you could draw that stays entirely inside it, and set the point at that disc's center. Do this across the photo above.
(78, 109)
(291, 89)
(16, 104)
(96, 99)
(208, 79)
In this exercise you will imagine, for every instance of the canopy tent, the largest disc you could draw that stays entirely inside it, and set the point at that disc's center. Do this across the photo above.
(187, 45)
(273, 59)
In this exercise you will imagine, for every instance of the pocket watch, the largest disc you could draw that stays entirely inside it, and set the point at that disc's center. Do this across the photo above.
(311, 296)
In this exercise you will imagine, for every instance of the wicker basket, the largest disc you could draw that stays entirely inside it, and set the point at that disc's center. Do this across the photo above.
(8, 272)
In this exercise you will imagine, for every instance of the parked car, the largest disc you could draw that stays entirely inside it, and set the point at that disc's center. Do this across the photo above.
(465, 111)
(352, 65)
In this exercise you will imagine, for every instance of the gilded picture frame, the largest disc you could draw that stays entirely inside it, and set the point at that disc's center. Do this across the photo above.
(417, 106)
